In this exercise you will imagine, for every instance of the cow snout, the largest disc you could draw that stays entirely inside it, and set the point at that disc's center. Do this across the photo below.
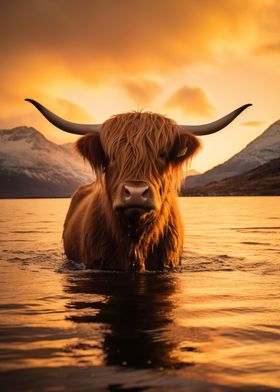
(134, 195)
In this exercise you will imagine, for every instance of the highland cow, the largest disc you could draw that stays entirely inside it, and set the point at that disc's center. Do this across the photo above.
(128, 218)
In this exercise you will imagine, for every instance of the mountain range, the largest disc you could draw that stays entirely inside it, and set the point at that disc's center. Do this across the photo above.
(32, 166)
(260, 151)
(264, 180)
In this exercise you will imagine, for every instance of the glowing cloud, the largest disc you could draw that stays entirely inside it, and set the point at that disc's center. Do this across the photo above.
(141, 91)
(108, 56)
(253, 123)
(97, 42)
(271, 48)
(190, 100)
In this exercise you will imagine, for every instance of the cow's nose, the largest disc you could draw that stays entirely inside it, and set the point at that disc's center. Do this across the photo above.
(135, 195)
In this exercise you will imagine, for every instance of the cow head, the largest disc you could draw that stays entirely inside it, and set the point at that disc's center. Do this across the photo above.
(138, 157)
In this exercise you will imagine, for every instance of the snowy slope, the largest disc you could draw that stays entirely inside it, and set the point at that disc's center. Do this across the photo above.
(32, 166)
(261, 181)
(263, 149)
(26, 156)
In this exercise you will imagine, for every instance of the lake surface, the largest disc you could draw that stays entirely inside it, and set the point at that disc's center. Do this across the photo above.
(214, 326)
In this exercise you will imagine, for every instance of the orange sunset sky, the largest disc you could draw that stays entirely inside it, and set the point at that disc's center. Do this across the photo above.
(193, 60)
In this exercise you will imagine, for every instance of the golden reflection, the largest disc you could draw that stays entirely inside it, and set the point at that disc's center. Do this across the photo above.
(194, 324)
(133, 305)
(216, 321)
(222, 316)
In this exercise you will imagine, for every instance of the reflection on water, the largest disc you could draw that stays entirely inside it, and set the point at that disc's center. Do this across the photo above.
(134, 309)
(213, 326)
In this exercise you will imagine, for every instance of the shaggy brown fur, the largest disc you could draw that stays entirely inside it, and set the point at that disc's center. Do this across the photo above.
(132, 146)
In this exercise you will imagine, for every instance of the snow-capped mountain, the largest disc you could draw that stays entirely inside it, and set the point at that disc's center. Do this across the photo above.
(31, 165)
(263, 149)
(261, 181)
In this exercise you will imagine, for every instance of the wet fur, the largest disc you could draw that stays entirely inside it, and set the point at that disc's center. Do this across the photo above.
(129, 147)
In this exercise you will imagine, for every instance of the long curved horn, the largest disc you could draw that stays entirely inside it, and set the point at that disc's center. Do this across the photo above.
(67, 126)
(207, 129)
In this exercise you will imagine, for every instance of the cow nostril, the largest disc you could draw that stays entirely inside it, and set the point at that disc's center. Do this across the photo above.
(145, 194)
(126, 192)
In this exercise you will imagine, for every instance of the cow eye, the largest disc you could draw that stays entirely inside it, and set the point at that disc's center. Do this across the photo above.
(162, 158)
(182, 152)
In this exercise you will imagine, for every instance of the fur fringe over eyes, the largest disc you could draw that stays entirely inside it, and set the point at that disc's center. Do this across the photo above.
(134, 141)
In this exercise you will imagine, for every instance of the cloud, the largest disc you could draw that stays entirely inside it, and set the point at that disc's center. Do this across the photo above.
(31, 117)
(97, 40)
(133, 35)
(69, 110)
(253, 123)
(190, 100)
(270, 48)
(142, 91)
(52, 43)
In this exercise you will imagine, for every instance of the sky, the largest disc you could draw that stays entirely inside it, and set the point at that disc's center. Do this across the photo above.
(192, 60)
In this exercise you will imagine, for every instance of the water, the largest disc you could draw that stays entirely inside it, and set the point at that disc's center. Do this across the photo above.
(214, 326)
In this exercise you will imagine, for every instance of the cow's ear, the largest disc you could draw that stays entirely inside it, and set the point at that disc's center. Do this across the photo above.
(186, 145)
(90, 148)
